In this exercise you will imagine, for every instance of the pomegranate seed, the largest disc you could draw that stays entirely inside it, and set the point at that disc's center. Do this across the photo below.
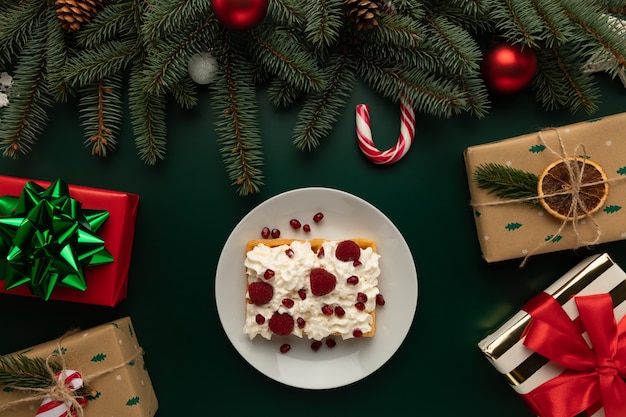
(316, 345)
(285, 348)
(361, 297)
(318, 217)
(331, 343)
(360, 306)
(327, 310)
(265, 232)
(275, 233)
(295, 223)
(260, 319)
(289, 252)
(356, 263)
(380, 300)
(320, 253)
(269, 273)
(306, 228)
(300, 321)
(302, 293)
(357, 333)
(339, 311)
(353, 280)
(288, 302)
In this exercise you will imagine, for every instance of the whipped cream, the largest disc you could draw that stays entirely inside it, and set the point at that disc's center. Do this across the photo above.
(292, 274)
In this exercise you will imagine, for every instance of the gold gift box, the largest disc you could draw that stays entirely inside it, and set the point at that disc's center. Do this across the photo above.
(513, 229)
(525, 369)
(111, 354)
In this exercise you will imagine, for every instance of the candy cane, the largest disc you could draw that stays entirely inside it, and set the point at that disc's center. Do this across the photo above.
(366, 143)
(56, 408)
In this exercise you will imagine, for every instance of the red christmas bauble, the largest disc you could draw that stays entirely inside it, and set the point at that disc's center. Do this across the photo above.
(508, 68)
(240, 14)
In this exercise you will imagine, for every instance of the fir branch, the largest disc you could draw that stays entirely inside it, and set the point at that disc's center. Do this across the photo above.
(276, 51)
(17, 24)
(26, 117)
(288, 11)
(113, 22)
(168, 17)
(282, 94)
(184, 92)
(101, 111)
(321, 110)
(457, 50)
(324, 22)
(506, 182)
(238, 133)
(147, 112)
(20, 371)
(90, 65)
(57, 56)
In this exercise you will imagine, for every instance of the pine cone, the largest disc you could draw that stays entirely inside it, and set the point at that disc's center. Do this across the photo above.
(73, 14)
(363, 12)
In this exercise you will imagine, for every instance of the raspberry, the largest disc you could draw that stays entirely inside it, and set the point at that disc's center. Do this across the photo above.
(284, 348)
(322, 282)
(295, 223)
(331, 343)
(281, 324)
(348, 251)
(260, 293)
(316, 345)
(318, 217)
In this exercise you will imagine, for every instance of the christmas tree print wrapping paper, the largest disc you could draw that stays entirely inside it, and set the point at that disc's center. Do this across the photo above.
(106, 284)
(516, 229)
(111, 354)
(526, 370)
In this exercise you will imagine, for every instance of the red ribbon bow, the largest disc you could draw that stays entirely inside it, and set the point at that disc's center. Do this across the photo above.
(594, 376)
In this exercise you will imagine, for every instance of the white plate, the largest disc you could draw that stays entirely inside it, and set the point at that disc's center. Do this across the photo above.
(345, 216)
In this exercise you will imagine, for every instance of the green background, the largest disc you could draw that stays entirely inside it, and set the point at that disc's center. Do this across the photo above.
(188, 208)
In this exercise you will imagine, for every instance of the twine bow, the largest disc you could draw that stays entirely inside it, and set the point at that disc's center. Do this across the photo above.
(594, 375)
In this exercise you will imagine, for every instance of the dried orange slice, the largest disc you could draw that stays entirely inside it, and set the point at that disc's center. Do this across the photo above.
(557, 178)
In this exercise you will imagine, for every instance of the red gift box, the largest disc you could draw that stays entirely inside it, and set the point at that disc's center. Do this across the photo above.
(106, 284)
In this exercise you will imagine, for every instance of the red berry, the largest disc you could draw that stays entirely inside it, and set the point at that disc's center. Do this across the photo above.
(316, 345)
(331, 343)
(380, 300)
(289, 252)
(295, 223)
(275, 233)
(306, 227)
(318, 217)
(302, 293)
(259, 319)
(320, 253)
(281, 323)
(327, 310)
(353, 280)
(357, 333)
(361, 297)
(339, 311)
(348, 251)
(285, 348)
(356, 263)
(269, 273)
(265, 232)
(322, 282)
(300, 322)
(260, 293)
(288, 302)
(360, 306)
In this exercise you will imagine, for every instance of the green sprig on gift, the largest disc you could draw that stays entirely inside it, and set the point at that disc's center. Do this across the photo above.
(20, 371)
(47, 239)
(507, 182)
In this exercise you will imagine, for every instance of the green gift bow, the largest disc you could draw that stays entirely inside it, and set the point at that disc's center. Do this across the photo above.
(46, 239)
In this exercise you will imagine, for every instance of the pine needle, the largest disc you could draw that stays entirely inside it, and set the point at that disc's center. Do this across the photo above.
(507, 182)
(23, 372)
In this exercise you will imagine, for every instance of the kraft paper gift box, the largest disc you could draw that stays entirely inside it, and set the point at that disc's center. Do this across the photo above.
(529, 372)
(110, 360)
(510, 228)
(107, 283)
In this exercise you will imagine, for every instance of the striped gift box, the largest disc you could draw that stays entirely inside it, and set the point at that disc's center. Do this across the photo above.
(525, 369)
